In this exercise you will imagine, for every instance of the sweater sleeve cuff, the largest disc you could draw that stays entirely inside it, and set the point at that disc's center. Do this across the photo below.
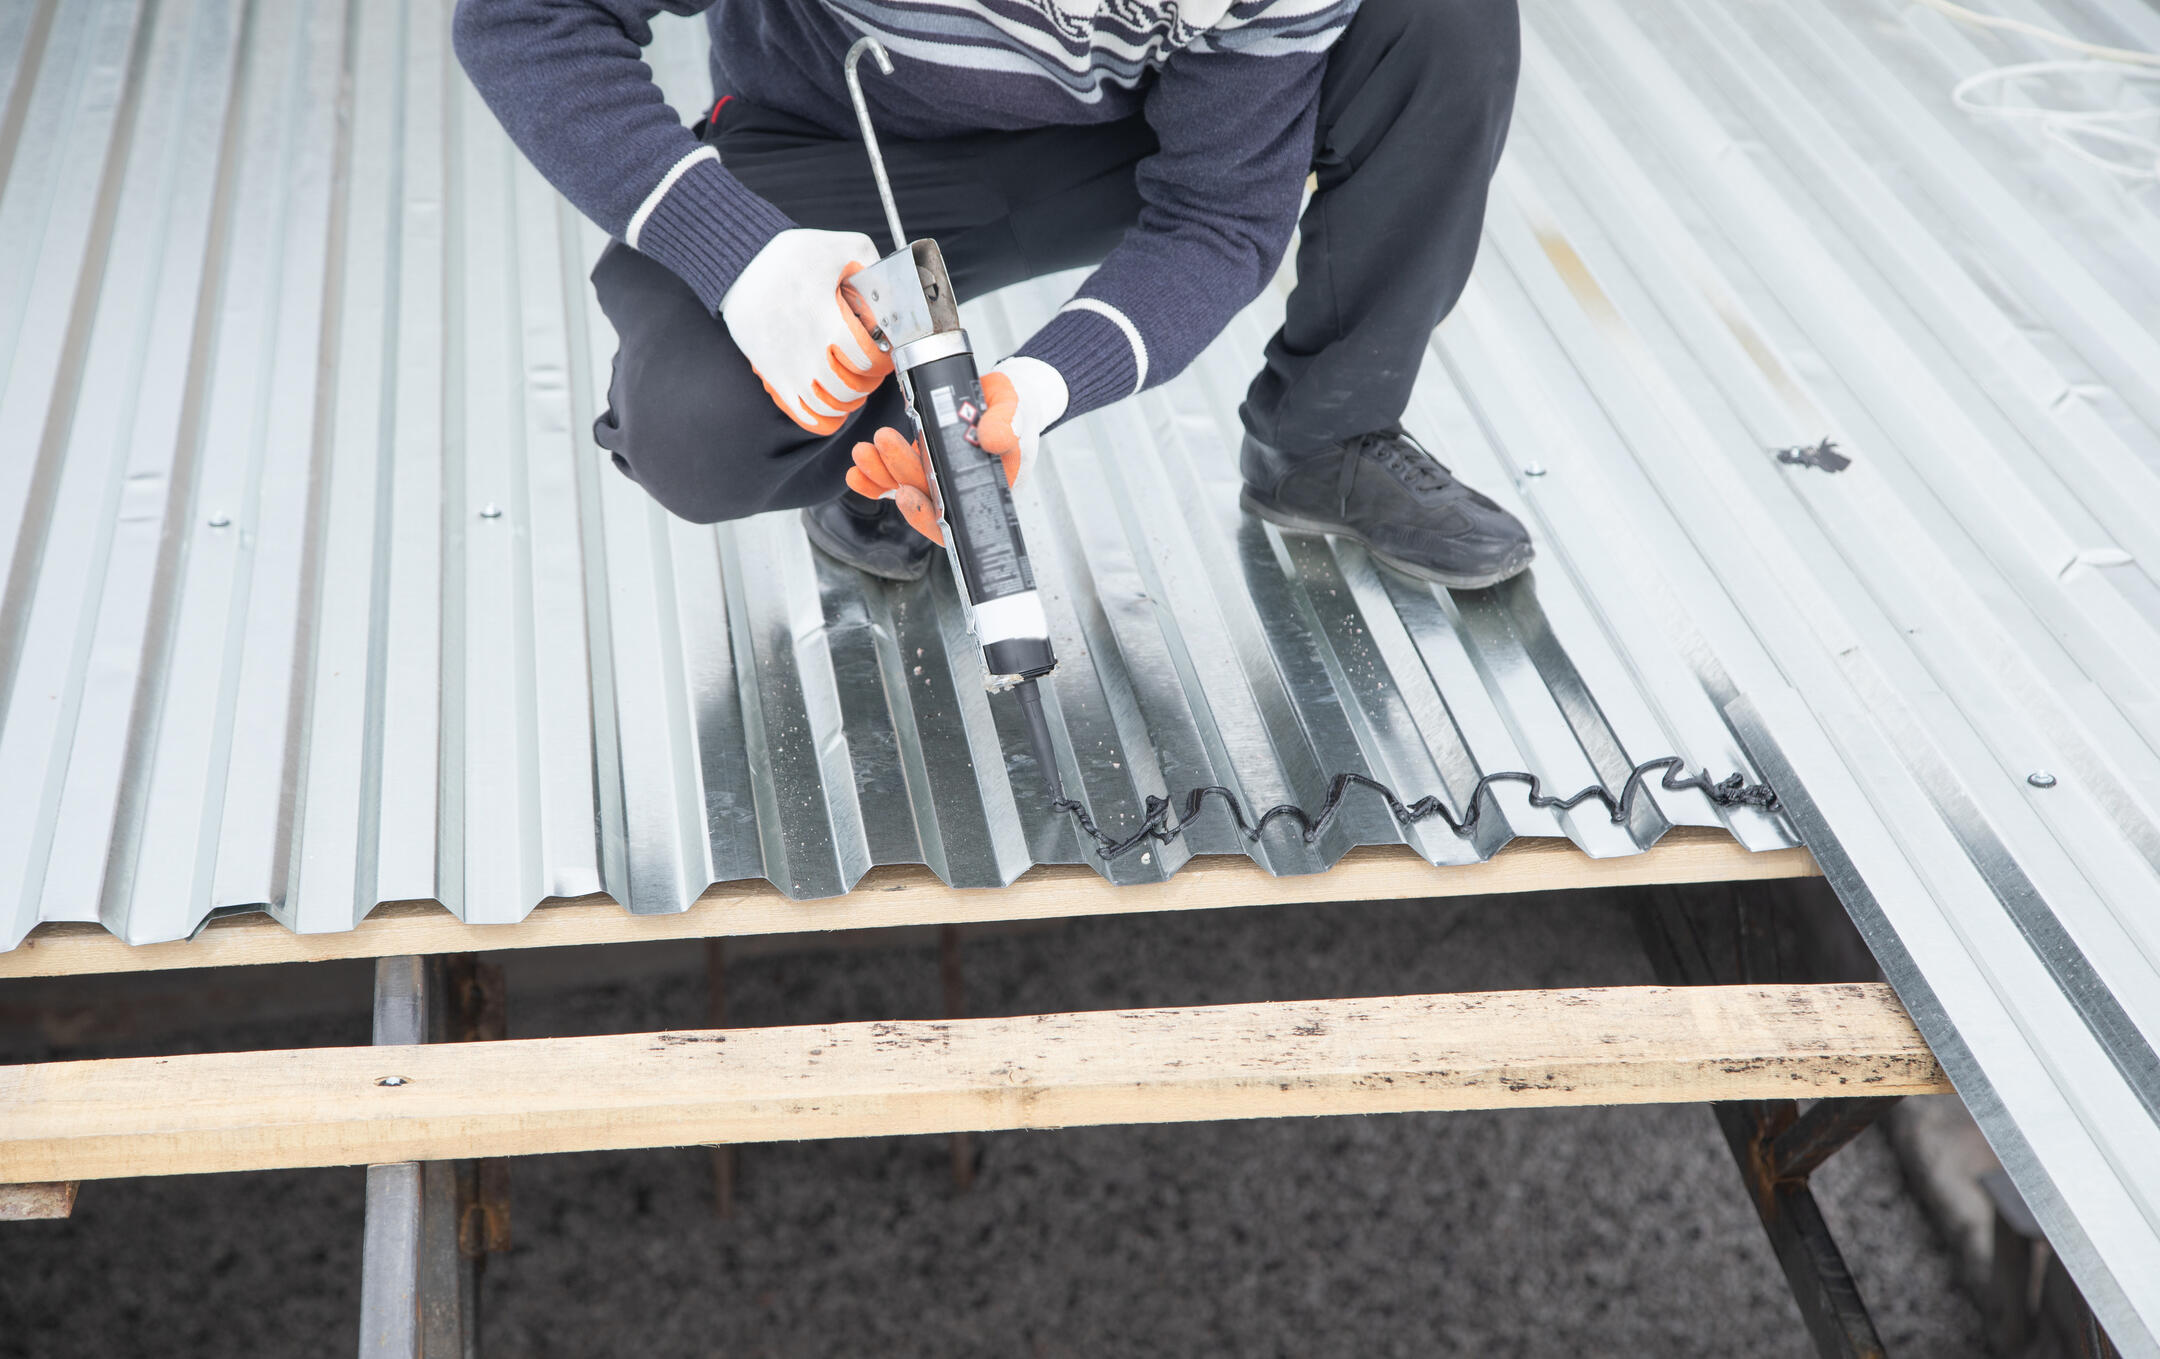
(1099, 358)
(705, 225)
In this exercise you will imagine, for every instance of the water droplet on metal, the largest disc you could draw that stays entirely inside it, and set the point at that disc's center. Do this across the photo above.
(221, 521)
(1535, 469)
(2040, 778)
(491, 510)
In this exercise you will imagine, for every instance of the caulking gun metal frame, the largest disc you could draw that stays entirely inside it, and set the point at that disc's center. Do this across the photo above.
(908, 297)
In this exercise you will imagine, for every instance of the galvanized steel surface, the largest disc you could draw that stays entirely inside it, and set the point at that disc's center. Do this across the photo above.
(1728, 228)
(318, 595)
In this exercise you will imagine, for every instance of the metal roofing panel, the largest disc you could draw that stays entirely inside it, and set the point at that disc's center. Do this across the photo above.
(320, 596)
(1728, 228)
(317, 594)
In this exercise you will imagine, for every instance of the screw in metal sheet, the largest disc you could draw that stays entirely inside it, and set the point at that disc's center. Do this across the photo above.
(391, 1080)
(221, 521)
(2040, 778)
(491, 510)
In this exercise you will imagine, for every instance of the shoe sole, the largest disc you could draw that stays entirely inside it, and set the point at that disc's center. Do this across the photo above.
(818, 540)
(1300, 524)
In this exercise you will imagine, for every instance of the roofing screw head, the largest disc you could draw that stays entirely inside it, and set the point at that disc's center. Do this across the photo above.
(221, 521)
(491, 510)
(1535, 469)
(391, 1080)
(2040, 778)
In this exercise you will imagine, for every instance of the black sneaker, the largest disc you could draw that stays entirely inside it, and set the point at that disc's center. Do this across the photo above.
(870, 535)
(1384, 491)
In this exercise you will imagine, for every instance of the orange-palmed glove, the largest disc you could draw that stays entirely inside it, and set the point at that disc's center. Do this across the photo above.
(1021, 397)
(786, 313)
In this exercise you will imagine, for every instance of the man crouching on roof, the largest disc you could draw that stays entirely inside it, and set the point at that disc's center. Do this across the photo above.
(1165, 142)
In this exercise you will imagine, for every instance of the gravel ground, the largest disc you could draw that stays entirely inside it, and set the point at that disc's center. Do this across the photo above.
(1535, 1232)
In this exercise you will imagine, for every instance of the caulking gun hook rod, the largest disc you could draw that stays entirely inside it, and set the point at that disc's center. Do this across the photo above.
(866, 43)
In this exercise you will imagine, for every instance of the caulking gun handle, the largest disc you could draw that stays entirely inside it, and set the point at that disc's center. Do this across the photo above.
(859, 307)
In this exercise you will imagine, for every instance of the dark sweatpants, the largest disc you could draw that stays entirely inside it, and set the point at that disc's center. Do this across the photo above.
(1413, 112)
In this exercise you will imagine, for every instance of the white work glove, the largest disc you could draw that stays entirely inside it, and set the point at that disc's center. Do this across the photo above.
(1021, 398)
(786, 314)
(1030, 399)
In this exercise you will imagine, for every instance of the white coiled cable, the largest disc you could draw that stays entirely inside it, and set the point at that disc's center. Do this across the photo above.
(2081, 132)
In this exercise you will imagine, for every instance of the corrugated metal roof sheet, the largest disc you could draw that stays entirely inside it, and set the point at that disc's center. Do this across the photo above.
(317, 594)
(320, 594)
(1731, 227)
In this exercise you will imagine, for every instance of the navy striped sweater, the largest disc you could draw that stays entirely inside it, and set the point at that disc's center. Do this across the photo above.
(1231, 88)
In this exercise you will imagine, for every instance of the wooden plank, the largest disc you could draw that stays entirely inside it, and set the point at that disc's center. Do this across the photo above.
(37, 1202)
(1506, 1049)
(912, 896)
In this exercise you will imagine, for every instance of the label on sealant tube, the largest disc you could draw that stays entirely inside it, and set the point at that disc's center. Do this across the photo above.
(978, 506)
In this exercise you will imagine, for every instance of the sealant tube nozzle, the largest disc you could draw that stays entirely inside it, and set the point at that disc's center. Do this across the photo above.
(1039, 736)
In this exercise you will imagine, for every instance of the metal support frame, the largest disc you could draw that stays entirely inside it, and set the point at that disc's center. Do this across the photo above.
(2028, 1287)
(430, 1225)
(1736, 933)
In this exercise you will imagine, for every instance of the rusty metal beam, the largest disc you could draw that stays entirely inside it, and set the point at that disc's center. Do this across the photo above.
(1734, 933)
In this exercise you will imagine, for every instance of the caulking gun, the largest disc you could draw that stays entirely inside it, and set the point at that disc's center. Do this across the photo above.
(917, 318)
